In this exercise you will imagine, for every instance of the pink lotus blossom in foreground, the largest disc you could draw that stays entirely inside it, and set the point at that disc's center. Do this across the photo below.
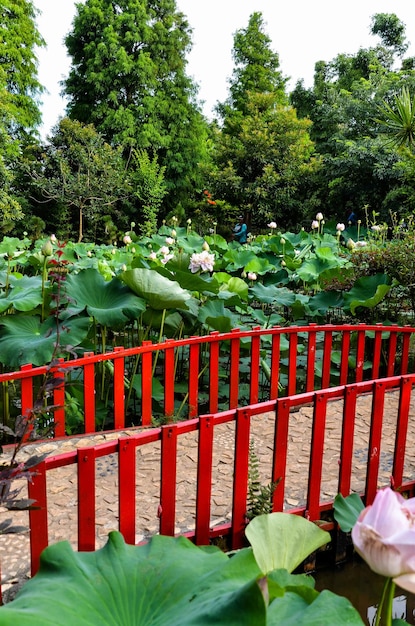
(384, 536)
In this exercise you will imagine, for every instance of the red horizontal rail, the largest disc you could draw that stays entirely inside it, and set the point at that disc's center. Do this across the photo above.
(290, 352)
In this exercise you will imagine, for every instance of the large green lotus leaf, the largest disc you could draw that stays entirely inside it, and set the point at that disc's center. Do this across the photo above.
(201, 283)
(292, 609)
(258, 265)
(26, 292)
(325, 300)
(24, 339)
(312, 268)
(232, 284)
(235, 259)
(168, 582)
(217, 241)
(217, 316)
(367, 291)
(157, 290)
(109, 302)
(271, 294)
(283, 540)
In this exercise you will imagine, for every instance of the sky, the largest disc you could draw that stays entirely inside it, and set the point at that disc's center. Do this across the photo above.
(302, 33)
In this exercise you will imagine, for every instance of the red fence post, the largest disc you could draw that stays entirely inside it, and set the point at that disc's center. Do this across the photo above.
(26, 391)
(360, 353)
(406, 339)
(119, 389)
(311, 359)
(279, 470)
(214, 374)
(240, 478)
(86, 499)
(377, 352)
(204, 480)
(326, 367)
(392, 352)
(344, 359)
(275, 366)
(292, 364)
(126, 489)
(194, 373)
(59, 400)
(316, 455)
(146, 385)
(234, 370)
(169, 378)
(346, 450)
(401, 431)
(89, 395)
(38, 517)
(254, 373)
(167, 509)
(378, 403)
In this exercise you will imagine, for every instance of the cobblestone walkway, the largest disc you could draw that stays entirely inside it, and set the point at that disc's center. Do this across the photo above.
(62, 482)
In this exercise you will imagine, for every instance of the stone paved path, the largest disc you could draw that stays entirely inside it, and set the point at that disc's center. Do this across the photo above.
(62, 482)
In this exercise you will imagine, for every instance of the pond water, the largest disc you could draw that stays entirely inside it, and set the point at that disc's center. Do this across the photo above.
(363, 588)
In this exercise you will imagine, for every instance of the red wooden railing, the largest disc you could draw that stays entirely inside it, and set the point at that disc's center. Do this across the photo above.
(392, 341)
(296, 359)
(314, 506)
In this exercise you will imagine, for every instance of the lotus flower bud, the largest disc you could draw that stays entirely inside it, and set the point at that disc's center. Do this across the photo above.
(47, 248)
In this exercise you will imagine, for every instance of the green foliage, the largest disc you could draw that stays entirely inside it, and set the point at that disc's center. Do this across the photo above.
(128, 79)
(147, 179)
(347, 510)
(171, 581)
(259, 496)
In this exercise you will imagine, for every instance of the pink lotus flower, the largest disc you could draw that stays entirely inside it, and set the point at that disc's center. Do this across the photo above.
(384, 536)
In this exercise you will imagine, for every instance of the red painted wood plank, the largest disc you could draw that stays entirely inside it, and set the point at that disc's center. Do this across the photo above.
(292, 364)
(59, 400)
(344, 359)
(406, 338)
(194, 352)
(26, 396)
(401, 431)
(377, 353)
(146, 385)
(311, 359)
(360, 353)
(327, 348)
(316, 455)
(167, 510)
(127, 488)
(240, 478)
(375, 437)
(89, 395)
(254, 373)
(86, 499)
(275, 366)
(234, 370)
(119, 389)
(279, 470)
(38, 517)
(347, 439)
(169, 371)
(204, 480)
(393, 340)
(214, 374)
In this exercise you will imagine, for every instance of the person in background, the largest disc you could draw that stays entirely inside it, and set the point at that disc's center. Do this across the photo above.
(240, 230)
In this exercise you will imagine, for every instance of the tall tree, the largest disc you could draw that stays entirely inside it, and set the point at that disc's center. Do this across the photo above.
(262, 149)
(128, 78)
(19, 38)
(19, 92)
